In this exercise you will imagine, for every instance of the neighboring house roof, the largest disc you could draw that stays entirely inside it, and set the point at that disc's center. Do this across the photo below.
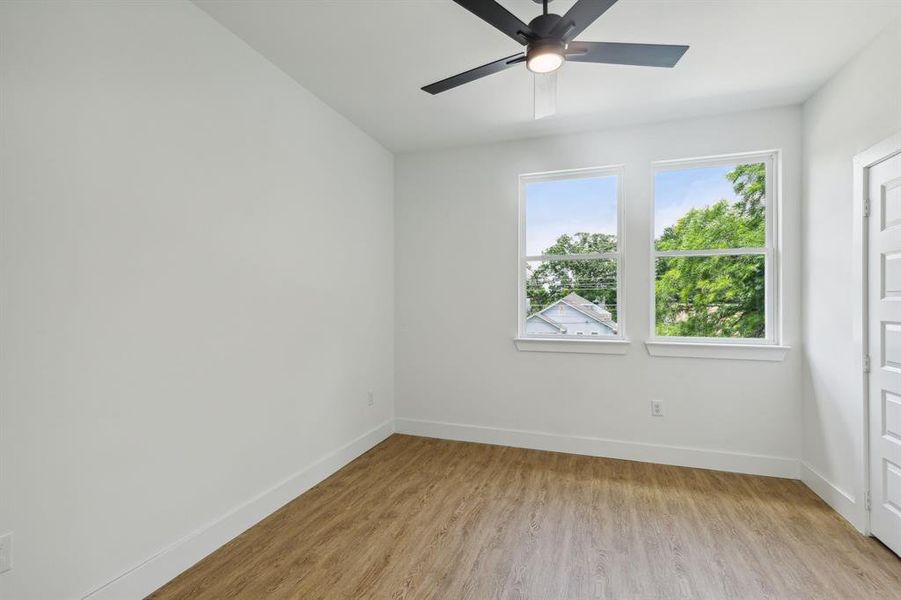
(547, 320)
(580, 304)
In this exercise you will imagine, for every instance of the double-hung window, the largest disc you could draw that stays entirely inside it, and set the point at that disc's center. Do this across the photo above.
(570, 256)
(714, 254)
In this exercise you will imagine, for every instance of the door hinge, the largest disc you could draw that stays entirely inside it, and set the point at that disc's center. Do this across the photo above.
(866, 363)
(866, 206)
(866, 500)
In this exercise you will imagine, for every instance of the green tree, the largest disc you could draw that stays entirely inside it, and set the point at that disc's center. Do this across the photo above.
(720, 296)
(593, 279)
(749, 183)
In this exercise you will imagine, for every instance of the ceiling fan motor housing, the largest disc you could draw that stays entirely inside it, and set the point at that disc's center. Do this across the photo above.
(544, 43)
(542, 25)
(545, 52)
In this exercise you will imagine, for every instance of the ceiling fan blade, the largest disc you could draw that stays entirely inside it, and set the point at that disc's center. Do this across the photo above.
(496, 15)
(473, 74)
(545, 94)
(582, 14)
(641, 55)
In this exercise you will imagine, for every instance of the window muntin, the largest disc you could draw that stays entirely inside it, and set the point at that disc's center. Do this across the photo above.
(570, 255)
(713, 252)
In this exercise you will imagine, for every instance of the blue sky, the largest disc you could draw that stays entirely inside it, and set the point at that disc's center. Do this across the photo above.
(678, 191)
(568, 206)
(589, 204)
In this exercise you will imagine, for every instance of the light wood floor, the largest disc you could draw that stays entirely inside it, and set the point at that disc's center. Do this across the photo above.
(423, 518)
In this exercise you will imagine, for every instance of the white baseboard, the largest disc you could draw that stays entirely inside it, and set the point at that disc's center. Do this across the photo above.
(841, 501)
(144, 578)
(735, 462)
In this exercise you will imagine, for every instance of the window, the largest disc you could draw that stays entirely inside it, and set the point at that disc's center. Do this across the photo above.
(570, 255)
(714, 254)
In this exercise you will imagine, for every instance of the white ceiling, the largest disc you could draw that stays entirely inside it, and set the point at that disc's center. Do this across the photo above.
(368, 59)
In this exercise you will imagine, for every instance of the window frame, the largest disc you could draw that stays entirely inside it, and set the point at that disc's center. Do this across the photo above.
(572, 342)
(670, 345)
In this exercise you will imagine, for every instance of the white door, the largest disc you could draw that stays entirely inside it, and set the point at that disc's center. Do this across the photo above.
(884, 306)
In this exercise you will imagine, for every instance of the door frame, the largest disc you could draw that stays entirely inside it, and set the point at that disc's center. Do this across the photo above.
(862, 210)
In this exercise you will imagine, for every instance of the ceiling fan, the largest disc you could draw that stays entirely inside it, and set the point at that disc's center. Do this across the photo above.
(548, 39)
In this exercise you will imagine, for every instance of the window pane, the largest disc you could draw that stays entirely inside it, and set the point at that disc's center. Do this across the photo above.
(711, 296)
(571, 216)
(700, 208)
(571, 297)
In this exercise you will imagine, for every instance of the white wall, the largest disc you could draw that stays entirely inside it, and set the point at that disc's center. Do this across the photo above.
(183, 230)
(456, 253)
(857, 108)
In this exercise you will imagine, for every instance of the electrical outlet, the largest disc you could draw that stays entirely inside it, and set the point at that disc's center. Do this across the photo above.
(656, 408)
(6, 552)
(371, 398)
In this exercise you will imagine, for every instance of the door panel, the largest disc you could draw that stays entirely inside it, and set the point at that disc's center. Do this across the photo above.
(884, 333)
(891, 416)
(891, 346)
(891, 274)
(892, 477)
(890, 201)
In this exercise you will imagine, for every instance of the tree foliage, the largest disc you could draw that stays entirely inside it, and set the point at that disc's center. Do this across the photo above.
(717, 296)
(749, 184)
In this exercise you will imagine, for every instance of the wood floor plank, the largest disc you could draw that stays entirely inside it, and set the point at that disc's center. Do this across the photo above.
(418, 518)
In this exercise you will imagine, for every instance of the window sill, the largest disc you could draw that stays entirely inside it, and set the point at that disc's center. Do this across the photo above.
(771, 352)
(617, 346)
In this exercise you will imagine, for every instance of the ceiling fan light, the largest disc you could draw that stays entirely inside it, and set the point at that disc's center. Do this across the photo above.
(545, 57)
(545, 63)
